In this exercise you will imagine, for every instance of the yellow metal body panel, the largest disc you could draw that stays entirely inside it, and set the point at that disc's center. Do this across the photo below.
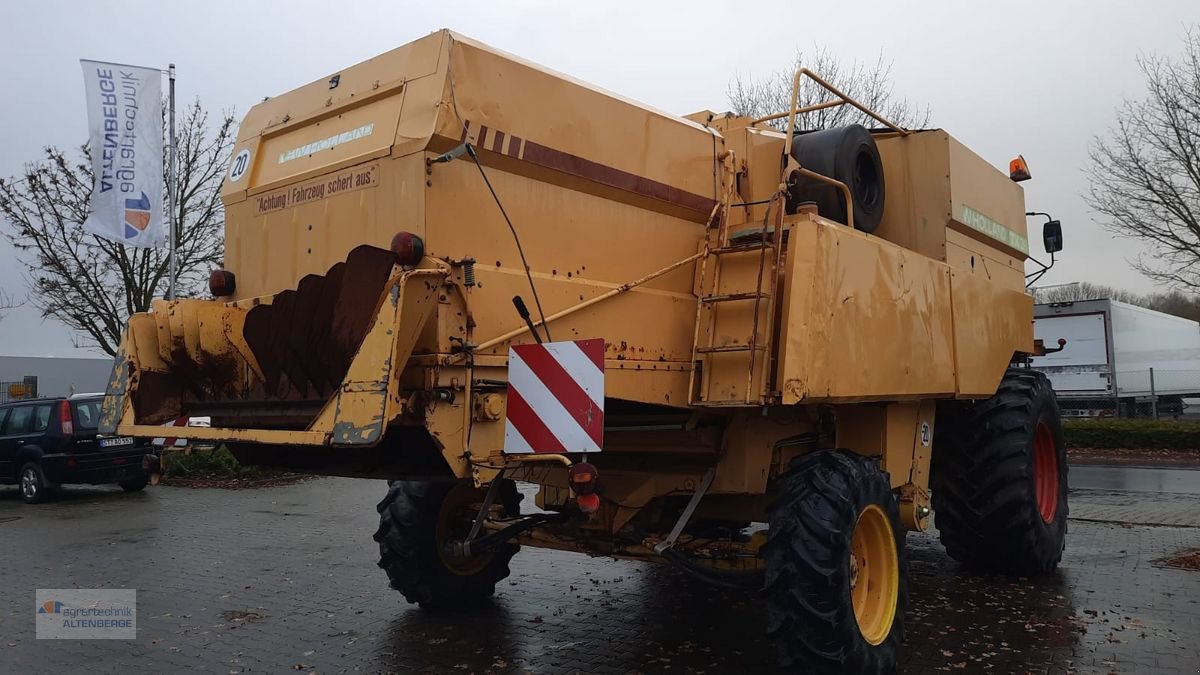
(276, 237)
(901, 435)
(862, 319)
(985, 204)
(990, 324)
(288, 211)
(916, 171)
(965, 254)
(946, 202)
(590, 246)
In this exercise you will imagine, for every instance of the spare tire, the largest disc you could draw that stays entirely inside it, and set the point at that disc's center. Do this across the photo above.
(847, 154)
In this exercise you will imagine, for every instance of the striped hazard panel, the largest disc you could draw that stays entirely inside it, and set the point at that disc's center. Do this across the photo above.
(555, 397)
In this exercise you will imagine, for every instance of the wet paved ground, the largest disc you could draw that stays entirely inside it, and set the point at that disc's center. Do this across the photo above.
(284, 579)
(1135, 479)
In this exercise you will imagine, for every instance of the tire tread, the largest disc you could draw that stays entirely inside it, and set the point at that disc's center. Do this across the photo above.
(984, 507)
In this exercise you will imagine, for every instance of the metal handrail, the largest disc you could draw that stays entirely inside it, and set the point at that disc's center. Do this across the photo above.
(793, 111)
(842, 99)
(809, 173)
(488, 344)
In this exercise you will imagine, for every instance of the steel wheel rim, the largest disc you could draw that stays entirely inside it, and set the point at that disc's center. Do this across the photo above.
(29, 483)
(1045, 472)
(874, 574)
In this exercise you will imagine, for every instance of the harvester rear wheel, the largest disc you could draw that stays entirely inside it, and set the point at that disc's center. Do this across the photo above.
(836, 570)
(999, 478)
(416, 521)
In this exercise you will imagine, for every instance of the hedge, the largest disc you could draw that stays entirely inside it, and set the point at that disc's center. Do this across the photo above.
(1119, 433)
(219, 461)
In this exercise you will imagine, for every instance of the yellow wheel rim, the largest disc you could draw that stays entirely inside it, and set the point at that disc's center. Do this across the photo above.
(458, 510)
(874, 574)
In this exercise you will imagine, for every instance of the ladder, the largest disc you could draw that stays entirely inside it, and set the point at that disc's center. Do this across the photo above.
(755, 252)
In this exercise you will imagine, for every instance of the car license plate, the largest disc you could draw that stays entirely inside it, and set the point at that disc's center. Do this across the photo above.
(115, 442)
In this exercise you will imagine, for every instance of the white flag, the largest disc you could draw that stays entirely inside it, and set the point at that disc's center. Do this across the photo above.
(125, 125)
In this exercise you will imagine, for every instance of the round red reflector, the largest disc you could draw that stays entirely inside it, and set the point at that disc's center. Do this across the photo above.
(588, 503)
(408, 248)
(221, 282)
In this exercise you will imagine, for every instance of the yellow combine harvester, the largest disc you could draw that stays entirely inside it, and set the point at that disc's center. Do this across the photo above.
(741, 326)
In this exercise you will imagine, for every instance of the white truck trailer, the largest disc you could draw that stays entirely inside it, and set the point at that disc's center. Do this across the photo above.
(1119, 358)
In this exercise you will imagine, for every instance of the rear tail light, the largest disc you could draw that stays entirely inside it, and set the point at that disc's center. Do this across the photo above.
(64, 416)
(582, 477)
(408, 248)
(221, 283)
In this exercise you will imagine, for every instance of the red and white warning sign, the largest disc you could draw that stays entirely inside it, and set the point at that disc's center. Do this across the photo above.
(181, 422)
(555, 397)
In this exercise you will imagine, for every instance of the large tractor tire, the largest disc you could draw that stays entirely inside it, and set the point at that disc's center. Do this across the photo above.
(999, 478)
(836, 571)
(416, 521)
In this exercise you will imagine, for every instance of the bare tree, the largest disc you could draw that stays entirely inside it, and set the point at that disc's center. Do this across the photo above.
(92, 284)
(868, 83)
(1176, 303)
(1084, 290)
(6, 303)
(1145, 175)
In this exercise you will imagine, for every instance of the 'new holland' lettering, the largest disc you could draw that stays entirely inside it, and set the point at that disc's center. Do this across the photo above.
(327, 143)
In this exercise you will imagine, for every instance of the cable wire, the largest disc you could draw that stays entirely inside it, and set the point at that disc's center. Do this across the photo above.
(528, 275)
(468, 136)
(751, 580)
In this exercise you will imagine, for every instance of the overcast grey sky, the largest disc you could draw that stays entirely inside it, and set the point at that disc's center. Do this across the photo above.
(1037, 78)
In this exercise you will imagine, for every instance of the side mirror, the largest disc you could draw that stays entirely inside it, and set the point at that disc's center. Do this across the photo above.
(1052, 236)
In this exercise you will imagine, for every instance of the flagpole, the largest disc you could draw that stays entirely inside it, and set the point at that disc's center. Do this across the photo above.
(171, 182)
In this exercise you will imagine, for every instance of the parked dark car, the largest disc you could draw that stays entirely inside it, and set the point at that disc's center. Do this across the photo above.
(46, 442)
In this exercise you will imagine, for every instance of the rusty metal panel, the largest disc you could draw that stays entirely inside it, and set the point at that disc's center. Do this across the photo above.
(143, 331)
(233, 325)
(862, 319)
(305, 339)
(277, 436)
(990, 324)
(160, 310)
(116, 393)
(368, 397)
